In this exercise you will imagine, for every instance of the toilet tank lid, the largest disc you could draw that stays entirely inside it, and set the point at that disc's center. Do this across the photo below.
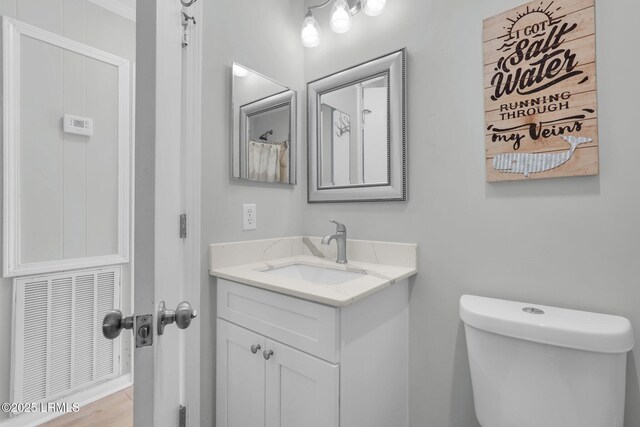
(561, 327)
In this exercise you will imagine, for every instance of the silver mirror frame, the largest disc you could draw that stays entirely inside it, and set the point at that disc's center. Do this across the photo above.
(287, 98)
(394, 64)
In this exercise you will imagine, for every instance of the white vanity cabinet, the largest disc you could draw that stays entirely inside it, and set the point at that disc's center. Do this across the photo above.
(289, 388)
(287, 362)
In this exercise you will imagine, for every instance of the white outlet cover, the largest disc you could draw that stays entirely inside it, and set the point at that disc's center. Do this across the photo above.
(249, 217)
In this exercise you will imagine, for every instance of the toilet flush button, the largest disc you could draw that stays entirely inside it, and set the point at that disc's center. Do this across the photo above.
(532, 310)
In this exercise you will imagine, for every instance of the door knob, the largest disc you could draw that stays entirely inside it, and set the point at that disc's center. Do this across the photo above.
(255, 348)
(184, 314)
(114, 323)
(181, 316)
(267, 354)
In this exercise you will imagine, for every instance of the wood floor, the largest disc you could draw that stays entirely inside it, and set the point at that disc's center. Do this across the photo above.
(112, 411)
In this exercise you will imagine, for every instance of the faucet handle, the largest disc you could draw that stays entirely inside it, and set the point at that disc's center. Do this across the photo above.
(340, 228)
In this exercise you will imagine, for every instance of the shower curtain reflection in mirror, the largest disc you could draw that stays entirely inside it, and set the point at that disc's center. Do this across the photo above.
(263, 139)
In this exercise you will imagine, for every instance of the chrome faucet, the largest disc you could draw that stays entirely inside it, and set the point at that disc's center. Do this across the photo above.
(341, 241)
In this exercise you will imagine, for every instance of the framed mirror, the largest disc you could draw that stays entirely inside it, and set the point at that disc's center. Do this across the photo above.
(263, 141)
(357, 138)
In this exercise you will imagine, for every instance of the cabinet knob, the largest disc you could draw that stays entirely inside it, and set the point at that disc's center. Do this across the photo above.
(267, 354)
(255, 348)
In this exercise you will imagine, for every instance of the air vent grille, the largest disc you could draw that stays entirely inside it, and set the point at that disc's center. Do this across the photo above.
(58, 347)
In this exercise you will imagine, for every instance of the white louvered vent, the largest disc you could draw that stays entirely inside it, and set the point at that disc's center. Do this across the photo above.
(58, 347)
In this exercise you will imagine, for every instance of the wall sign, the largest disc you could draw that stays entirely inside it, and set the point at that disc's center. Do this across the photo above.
(540, 91)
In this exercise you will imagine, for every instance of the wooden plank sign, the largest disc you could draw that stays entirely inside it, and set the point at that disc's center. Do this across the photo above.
(540, 91)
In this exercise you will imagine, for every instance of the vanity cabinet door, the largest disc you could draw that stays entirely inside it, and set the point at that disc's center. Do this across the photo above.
(302, 390)
(241, 377)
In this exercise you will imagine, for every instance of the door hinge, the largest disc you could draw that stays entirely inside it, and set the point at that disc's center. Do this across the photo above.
(183, 226)
(182, 414)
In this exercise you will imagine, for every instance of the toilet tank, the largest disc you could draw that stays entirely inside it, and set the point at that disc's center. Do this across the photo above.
(534, 365)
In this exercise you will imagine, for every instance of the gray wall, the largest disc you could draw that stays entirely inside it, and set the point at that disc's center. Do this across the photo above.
(90, 24)
(571, 242)
(263, 36)
(582, 239)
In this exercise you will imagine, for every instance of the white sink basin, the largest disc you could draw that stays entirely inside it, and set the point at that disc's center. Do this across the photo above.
(308, 273)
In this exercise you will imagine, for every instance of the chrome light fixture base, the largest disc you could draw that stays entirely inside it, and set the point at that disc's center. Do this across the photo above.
(341, 14)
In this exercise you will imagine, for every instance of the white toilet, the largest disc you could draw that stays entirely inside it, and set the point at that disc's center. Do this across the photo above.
(534, 365)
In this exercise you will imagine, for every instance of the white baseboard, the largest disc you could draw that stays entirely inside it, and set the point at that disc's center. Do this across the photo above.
(83, 398)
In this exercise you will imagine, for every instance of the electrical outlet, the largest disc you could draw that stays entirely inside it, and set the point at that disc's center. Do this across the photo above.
(249, 217)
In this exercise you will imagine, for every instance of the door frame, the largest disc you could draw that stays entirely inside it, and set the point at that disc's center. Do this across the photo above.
(158, 24)
(192, 143)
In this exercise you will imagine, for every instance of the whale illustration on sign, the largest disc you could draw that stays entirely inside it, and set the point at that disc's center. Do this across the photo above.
(528, 163)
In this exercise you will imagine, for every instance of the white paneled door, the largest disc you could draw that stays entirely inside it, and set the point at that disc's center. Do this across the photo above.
(166, 358)
(69, 177)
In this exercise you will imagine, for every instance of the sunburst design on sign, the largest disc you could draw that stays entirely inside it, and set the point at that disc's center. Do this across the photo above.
(540, 15)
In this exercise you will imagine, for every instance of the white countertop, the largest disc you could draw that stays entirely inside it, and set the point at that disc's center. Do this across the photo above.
(376, 277)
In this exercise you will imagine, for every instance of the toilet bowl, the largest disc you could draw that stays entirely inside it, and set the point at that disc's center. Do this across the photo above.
(535, 365)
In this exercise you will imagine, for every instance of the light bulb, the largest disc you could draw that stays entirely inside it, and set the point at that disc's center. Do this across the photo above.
(310, 33)
(240, 71)
(373, 7)
(340, 17)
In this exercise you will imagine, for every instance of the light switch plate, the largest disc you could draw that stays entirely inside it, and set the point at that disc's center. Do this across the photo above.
(249, 217)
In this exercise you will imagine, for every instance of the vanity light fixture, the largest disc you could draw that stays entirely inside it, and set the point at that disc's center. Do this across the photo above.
(373, 7)
(310, 31)
(341, 15)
